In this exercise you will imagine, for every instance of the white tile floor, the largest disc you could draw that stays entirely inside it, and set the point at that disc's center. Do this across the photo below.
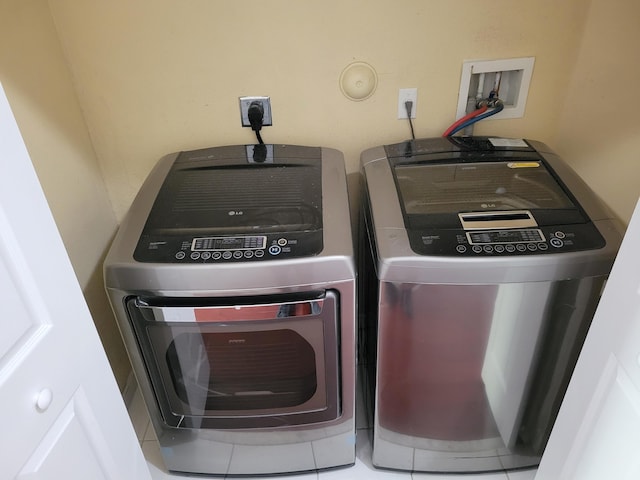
(362, 470)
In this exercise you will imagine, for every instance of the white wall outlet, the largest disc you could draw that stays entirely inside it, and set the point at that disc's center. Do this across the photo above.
(478, 78)
(245, 102)
(407, 94)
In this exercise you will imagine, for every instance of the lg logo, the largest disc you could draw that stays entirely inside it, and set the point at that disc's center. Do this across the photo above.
(235, 212)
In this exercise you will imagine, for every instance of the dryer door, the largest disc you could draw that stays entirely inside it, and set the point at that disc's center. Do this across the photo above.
(270, 363)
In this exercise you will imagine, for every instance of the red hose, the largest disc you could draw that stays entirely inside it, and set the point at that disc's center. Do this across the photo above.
(467, 117)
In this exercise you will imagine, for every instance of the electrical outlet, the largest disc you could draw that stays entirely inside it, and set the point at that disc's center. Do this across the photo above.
(404, 95)
(478, 79)
(245, 102)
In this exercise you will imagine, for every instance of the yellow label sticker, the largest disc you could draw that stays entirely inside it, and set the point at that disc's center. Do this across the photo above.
(523, 164)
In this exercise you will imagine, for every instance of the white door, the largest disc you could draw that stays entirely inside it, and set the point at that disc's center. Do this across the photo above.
(62, 414)
(597, 433)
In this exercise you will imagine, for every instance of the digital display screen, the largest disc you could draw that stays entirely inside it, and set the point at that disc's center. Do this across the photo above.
(229, 243)
(505, 236)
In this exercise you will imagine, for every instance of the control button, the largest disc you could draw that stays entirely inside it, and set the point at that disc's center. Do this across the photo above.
(282, 242)
(248, 254)
(216, 255)
(499, 248)
(206, 255)
(556, 242)
(195, 255)
(477, 249)
(559, 234)
(521, 247)
(488, 249)
(274, 250)
(510, 248)
(237, 254)
(180, 255)
(259, 253)
(226, 255)
(532, 247)
(461, 248)
(543, 246)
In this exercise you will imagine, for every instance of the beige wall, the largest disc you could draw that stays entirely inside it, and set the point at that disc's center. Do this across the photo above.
(599, 130)
(101, 90)
(40, 91)
(156, 76)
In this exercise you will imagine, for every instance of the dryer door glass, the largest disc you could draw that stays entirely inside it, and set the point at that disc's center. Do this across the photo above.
(233, 366)
(241, 370)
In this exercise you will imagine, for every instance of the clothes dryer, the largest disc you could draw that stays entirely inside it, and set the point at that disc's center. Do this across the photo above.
(233, 283)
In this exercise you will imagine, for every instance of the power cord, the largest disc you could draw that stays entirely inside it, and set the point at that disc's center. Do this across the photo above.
(256, 115)
(408, 105)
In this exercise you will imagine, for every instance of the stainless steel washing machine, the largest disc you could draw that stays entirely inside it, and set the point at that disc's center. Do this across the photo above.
(483, 260)
(233, 283)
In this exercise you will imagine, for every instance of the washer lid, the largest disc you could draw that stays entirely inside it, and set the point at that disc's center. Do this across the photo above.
(443, 190)
(475, 198)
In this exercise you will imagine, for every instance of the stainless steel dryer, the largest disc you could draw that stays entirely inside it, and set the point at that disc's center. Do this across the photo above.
(484, 265)
(233, 282)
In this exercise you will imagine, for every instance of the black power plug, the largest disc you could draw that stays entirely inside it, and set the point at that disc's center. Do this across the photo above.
(256, 116)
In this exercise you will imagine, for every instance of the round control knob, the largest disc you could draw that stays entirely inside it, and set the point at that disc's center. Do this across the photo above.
(44, 399)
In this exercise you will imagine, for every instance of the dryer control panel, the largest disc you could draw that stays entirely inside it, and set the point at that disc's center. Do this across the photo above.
(175, 249)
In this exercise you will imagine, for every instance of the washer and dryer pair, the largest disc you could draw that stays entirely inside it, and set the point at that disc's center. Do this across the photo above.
(233, 280)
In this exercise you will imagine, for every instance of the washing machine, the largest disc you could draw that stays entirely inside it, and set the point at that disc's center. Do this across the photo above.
(483, 260)
(232, 279)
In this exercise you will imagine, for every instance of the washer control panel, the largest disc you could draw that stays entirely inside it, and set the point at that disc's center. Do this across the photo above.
(522, 241)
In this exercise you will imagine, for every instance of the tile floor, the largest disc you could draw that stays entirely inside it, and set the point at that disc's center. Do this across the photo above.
(362, 470)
